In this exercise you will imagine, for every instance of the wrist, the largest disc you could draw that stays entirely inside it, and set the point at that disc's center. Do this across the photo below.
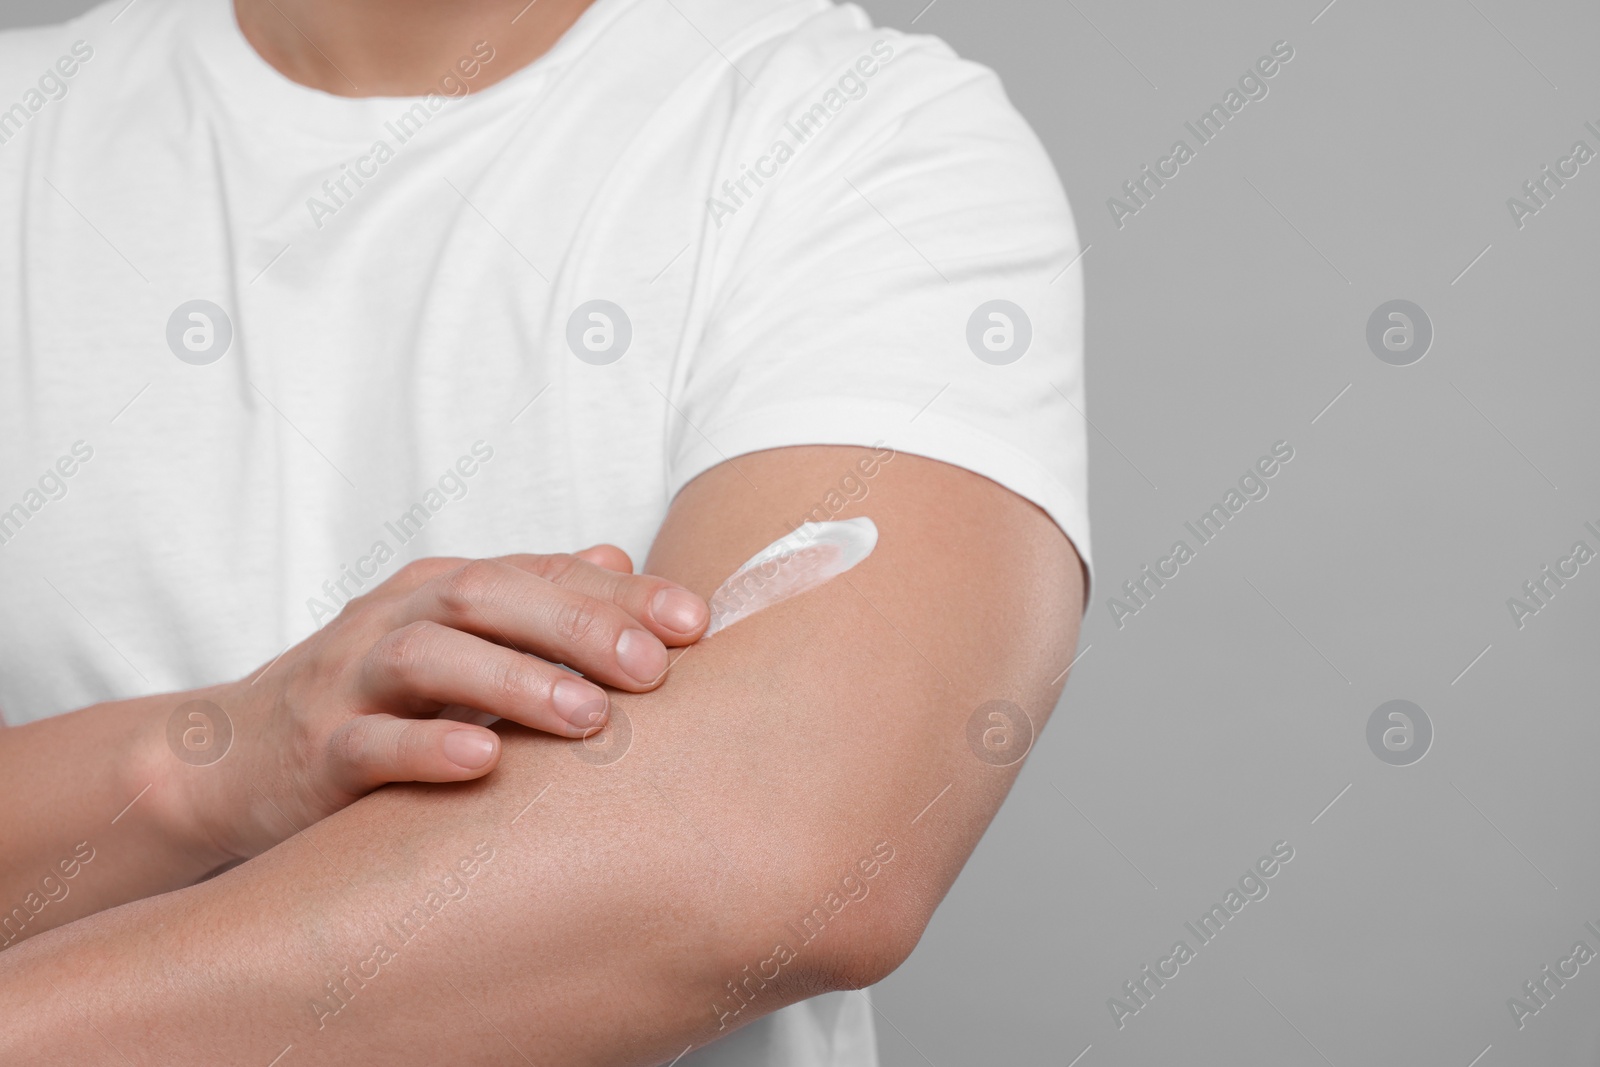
(178, 782)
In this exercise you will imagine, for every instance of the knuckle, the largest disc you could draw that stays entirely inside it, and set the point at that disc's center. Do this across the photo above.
(507, 683)
(420, 571)
(559, 568)
(403, 651)
(349, 748)
(414, 571)
(582, 621)
(386, 748)
(412, 744)
(462, 589)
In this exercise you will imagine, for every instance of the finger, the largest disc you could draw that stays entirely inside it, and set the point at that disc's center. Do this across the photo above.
(372, 750)
(610, 557)
(499, 602)
(425, 666)
(667, 609)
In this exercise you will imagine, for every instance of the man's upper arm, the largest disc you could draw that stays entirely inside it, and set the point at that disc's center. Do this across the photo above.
(854, 700)
(756, 834)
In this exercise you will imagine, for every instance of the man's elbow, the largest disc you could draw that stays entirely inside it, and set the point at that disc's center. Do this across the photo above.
(886, 942)
(847, 932)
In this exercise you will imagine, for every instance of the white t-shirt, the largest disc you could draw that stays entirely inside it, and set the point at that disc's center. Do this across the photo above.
(260, 345)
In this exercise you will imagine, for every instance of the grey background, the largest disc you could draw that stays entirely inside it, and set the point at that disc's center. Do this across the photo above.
(1229, 713)
(1225, 717)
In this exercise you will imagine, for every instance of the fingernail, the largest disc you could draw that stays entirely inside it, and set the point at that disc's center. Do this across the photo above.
(641, 655)
(468, 749)
(678, 609)
(580, 703)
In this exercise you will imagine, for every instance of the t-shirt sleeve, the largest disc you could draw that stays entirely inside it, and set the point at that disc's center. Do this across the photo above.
(907, 275)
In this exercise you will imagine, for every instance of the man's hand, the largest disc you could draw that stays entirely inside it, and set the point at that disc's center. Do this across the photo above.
(353, 706)
(349, 709)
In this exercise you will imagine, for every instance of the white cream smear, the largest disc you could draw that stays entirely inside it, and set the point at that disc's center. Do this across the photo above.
(815, 553)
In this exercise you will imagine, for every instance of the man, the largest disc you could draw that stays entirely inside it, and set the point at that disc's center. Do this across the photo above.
(308, 290)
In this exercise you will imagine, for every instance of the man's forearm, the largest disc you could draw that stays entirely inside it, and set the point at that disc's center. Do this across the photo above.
(602, 910)
(590, 914)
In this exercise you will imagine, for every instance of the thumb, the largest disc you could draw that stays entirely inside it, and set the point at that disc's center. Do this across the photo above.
(373, 750)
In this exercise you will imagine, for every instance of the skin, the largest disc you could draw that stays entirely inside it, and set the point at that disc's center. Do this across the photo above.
(347, 710)
(400, 47)
(620, 897)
